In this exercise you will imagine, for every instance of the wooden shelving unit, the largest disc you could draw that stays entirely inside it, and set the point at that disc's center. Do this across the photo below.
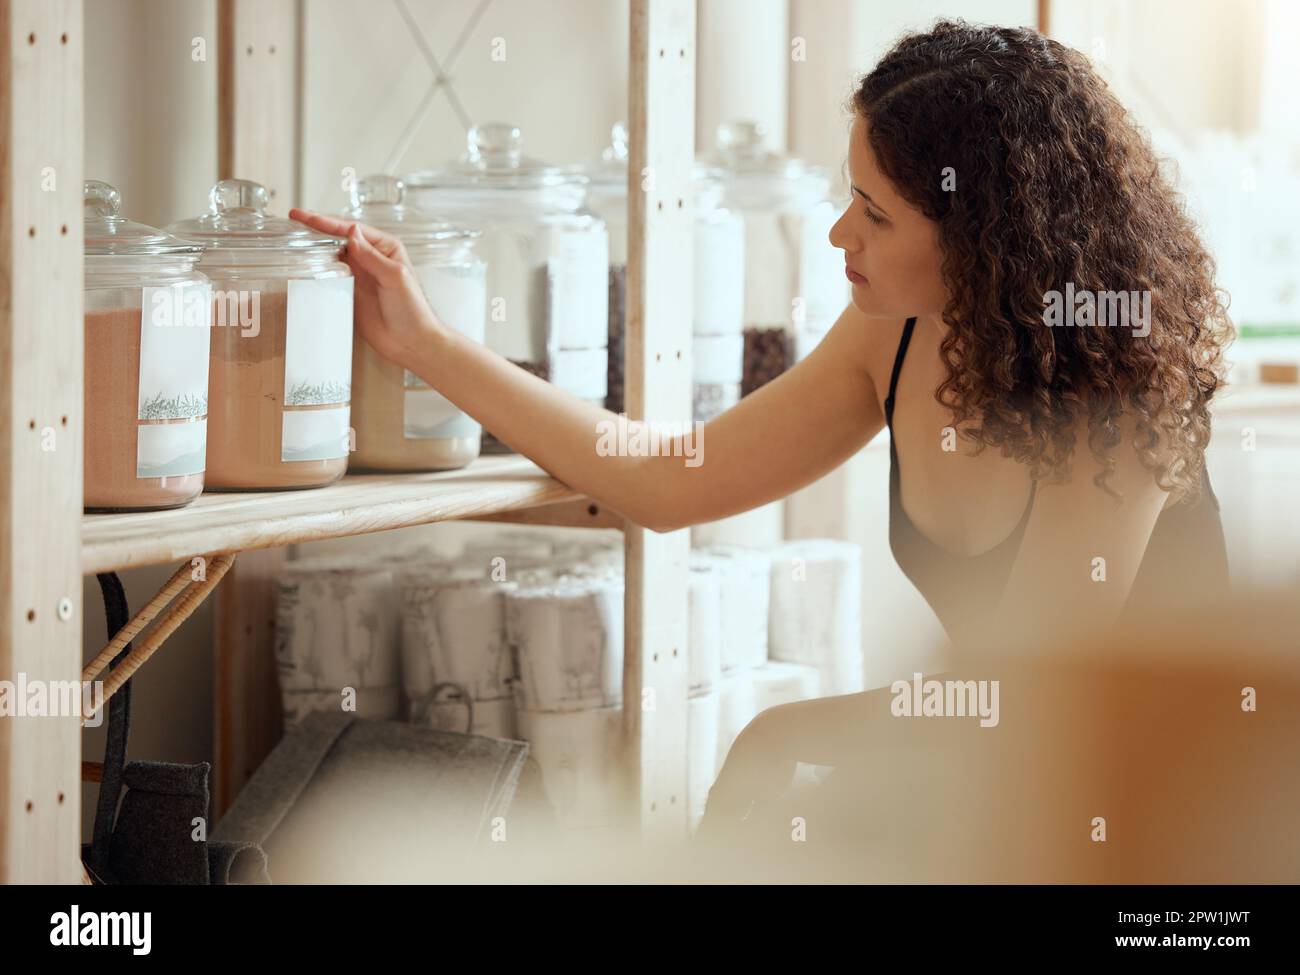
(47, 544)
(491, 488)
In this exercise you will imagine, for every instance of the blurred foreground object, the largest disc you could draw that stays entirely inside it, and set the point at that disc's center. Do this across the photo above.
(1145, 757)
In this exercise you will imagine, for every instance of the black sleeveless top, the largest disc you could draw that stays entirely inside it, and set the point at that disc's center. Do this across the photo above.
(1185, 561)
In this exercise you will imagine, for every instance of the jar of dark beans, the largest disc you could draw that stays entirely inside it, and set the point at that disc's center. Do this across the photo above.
(769, 351)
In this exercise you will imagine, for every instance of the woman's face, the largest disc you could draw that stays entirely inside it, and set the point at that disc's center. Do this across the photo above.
(891, 249)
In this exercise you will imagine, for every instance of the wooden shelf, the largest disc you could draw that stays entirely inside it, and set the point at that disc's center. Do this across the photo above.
(355, 505)
(49, 543)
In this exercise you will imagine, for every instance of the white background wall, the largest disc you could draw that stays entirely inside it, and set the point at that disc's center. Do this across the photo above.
(561, 76)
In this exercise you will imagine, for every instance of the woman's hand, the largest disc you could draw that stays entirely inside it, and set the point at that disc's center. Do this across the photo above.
(392, 314)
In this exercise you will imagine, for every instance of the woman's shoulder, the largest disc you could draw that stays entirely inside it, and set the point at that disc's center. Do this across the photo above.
(1123, 457)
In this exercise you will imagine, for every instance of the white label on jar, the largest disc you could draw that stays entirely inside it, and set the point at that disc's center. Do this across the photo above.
(771, 257)
(175, 337)
(458, 296)
(317, 369)
(822, 284)
(719, 276)
(428, 415)
(583, 372)
(315, 434)
(577, 282)
(718, 358)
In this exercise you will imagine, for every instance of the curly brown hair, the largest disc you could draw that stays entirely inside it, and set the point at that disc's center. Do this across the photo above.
(1055, 183)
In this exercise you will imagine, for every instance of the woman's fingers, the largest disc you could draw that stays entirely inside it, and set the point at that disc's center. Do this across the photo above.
(322, 222)
(384, 269)
(385, 243)
(372, 251)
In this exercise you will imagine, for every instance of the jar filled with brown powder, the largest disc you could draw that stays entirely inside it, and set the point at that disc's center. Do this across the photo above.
(281, 369)
(146, 362)
(402, 423)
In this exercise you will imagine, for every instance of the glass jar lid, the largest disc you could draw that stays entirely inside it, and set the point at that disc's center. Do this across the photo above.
(608, 174)
(741, 156)
(610, 170)
(237, 219)
(494, 159)
(109, 233)
(709, 188)
(380, 201)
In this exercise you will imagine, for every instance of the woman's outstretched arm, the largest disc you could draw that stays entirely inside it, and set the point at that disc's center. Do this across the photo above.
(789, 433)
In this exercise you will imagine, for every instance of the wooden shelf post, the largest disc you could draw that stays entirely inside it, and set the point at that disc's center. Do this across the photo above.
(41, 351)
(661, 129)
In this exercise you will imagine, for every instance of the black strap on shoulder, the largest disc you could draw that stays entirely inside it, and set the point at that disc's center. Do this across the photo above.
(898, 367)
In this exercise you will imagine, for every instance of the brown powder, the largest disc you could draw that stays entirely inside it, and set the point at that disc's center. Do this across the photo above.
(379, 417)
(112, 403)
(245, 406)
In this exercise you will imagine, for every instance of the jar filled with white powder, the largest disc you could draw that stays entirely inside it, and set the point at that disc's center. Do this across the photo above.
(547, 257)
(402, 424)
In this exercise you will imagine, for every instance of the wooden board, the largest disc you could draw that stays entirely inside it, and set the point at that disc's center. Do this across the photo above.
(355, 505)
(41, 361)
(571, 514)
(247, 709)
(257, 95)
(661, 129)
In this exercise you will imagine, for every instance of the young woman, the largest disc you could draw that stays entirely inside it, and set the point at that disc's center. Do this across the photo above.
(992, 173)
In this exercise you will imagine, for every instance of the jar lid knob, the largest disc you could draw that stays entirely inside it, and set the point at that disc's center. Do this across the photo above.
(380, 188)
(494, 143)
(238, 194)
(742, 137)
(617, 151)
(100, 199)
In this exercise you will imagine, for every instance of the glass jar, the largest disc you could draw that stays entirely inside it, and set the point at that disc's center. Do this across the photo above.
(281, 371)
(547, 256)
(402, 423)
(719, 263)
(717, 366)
(146, 362)
(794, 288)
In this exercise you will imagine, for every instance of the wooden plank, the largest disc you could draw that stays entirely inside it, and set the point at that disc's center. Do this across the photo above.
(355, 505)
(571, 514)
(247, 707)
(661, 127)
(257, 95)
(41, 361)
